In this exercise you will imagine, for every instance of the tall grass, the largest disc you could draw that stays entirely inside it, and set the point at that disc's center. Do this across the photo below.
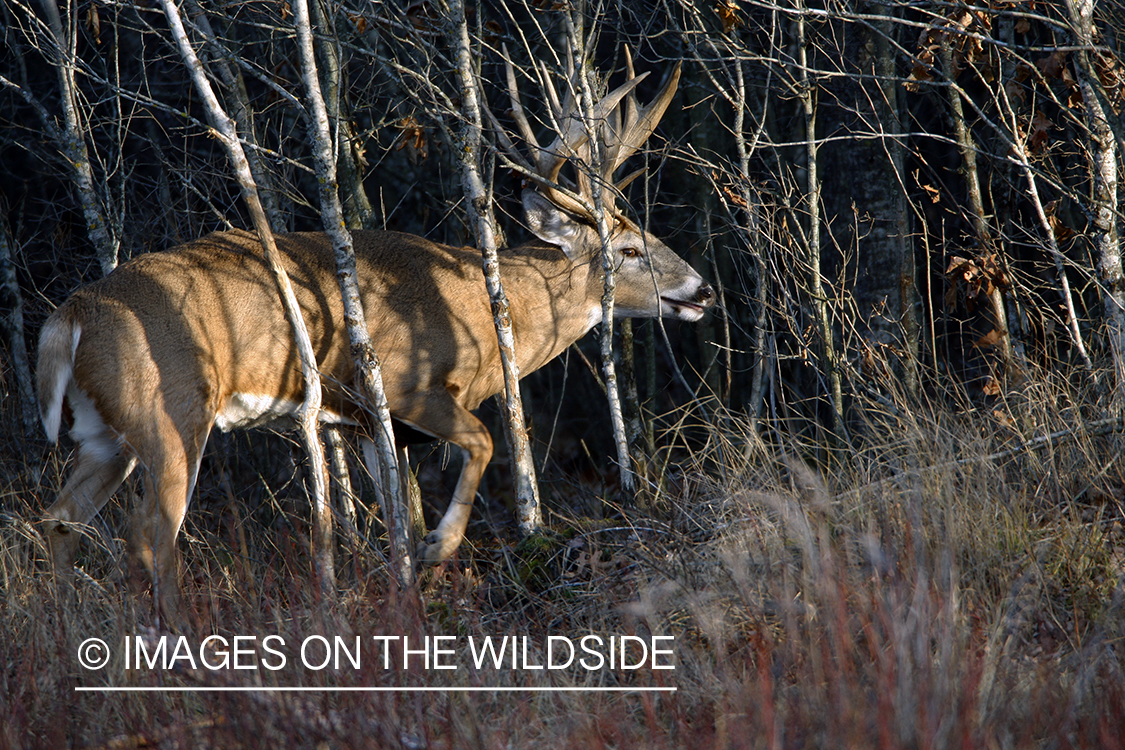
(947, 579)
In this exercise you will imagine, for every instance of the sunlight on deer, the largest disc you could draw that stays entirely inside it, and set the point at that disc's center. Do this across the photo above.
(168, 346)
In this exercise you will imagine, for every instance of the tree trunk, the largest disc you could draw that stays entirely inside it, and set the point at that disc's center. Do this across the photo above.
(368, 373)
(530, 517)
(308, 415)
(106, 243)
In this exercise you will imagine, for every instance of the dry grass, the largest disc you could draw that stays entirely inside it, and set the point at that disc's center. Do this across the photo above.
(938, 585)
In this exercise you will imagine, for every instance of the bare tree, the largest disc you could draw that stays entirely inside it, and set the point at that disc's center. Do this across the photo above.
(369, 375)
(309, 414)
(484, 224)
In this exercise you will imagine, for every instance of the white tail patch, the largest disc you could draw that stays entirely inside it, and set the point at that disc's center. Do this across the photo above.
(89, 429)
(58, 342)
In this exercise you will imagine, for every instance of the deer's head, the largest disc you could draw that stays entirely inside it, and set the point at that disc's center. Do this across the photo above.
(652, 281)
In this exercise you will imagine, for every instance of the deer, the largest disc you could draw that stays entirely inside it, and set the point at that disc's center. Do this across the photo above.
(171, 345)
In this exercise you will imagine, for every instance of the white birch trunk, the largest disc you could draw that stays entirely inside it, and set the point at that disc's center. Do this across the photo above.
(369, 376)
(1103, 158)
(529, 515)
(605, 234)
(308, 415)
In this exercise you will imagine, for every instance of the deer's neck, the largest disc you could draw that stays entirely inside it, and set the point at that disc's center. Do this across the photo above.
(553, 301)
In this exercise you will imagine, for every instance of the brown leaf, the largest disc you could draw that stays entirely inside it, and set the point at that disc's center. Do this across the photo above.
(1111, 75)
(727, 11)
(1062, 231)
(495, 31)
(423, 17)
(992, 268)
(94, 23)
(919, 74)
(1023, 26)
(359, 21)
(958, 265)
(1052, 66)
(1074, 98)
(992, 338)
(1037, 134)
(413, 137)
(1014, 91)
(1004, 419)
(991, 387)
(934, 193)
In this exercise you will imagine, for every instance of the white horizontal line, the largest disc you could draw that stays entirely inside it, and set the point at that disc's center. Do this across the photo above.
(420, 689)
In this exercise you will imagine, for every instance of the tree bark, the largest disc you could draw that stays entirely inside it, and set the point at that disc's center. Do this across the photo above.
(1103, 166)
(309, 413)
(530, 517)
(9, 288)
(818, 301)
(106, 242)
(368, 373)
(575, 35)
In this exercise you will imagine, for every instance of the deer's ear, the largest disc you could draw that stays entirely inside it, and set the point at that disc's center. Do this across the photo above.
(550, 223)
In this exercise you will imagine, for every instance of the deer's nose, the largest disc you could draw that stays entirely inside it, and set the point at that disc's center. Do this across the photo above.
(706, 295)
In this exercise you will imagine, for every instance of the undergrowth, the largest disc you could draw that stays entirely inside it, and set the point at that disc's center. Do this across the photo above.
(944, 576)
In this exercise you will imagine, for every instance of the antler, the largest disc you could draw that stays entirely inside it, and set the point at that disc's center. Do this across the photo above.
(620, 124)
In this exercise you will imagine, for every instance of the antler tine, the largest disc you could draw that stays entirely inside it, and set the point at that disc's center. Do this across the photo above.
(630, 108)
(639, 125)
(506, 142)
(621, 124)
(517, 107)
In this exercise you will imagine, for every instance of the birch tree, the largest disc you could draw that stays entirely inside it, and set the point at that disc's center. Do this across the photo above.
(368, 373)
(483, 221)
(309, 413)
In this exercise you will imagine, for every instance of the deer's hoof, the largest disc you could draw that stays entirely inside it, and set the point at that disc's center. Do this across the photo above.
(435, 549)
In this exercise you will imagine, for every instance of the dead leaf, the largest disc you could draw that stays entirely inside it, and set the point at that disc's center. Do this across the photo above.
(494, 32)
(413, 137)
(1023, 26)
(920, 74)
(1053, 65)
(423, 17)
(94, 23)
(1004, 419)
(1111, 75)
(1014, 91)
(727, 11)
(992, 338)
(991, 387)
(359, 21)
(934, 193)
(1037, 133)
(1061, 231)
(979, 277)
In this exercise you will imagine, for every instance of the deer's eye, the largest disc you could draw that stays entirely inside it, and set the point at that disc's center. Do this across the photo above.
(631, 252)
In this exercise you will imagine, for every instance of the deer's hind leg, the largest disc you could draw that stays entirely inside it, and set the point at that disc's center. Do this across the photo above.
(101, 465)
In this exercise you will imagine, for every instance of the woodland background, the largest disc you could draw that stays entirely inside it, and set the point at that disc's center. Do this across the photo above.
(883, 500)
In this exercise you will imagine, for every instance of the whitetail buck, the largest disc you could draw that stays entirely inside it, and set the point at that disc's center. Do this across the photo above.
(171, 344)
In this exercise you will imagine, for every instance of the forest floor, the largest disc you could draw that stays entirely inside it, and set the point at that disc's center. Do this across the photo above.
(952, 577)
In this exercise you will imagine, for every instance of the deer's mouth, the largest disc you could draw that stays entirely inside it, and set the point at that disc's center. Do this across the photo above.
(701, 298)
(684, 309)
(679, 303)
